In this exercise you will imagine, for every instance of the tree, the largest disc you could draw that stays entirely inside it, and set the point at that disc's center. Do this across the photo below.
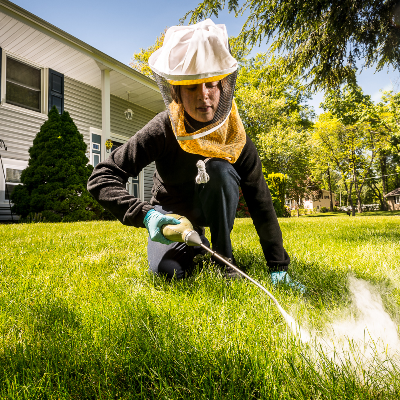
(321, 39)
(367, 120)
(329, 149)
(277, 187)
(351, 149)
(388, 118)
(323, 172)
(54, 183)
(274, 114)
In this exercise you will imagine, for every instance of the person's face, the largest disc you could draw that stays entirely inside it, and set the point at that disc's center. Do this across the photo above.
(201, 101)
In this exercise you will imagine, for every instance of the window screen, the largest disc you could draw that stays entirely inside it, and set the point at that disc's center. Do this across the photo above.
(23, 84)
(13, 175)
(13, 178)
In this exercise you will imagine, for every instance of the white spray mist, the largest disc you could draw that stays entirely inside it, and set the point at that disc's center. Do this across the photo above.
(364, 337)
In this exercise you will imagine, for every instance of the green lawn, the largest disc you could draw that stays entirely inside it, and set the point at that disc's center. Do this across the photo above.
(82, 319)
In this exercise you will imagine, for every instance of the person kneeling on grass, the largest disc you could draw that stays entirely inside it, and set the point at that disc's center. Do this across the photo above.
(202, 155)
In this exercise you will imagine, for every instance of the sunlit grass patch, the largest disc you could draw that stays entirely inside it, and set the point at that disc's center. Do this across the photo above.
(82, 318)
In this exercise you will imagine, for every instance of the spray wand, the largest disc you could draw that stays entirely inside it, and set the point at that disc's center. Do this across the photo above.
(185, 233)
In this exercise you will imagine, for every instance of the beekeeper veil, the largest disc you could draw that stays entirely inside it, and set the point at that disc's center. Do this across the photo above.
(193, 55)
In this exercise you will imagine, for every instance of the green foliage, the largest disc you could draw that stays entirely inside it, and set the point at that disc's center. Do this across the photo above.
(277, 187)
(320, 39)
(387, 116)
(82, 318)
(271, 106)
(54, 183)
(354, 137)
(349, 104)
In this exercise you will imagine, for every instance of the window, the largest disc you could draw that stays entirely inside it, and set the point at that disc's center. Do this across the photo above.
(13, 178)
(396, 199)
(23, 85)
(115, 145)
(96, 149)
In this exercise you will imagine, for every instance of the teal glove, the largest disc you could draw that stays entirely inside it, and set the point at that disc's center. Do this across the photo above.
(153, 221)
(284, 278)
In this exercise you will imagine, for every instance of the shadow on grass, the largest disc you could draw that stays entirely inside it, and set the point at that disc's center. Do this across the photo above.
(344, 215)
(322, 215)
(54, 314)
(150, 355)
(379, 214)
(365, 236)
(325, 288)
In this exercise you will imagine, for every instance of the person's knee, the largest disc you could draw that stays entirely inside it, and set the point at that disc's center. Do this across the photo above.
(168, 268)
(169, 261)
(221, 172)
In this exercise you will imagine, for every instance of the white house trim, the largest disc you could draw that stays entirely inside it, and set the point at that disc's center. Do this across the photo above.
(44, 84)
(9, 163)
(105, 107)
(3, 78)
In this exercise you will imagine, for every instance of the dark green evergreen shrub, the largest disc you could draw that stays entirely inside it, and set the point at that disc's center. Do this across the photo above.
(54, 183)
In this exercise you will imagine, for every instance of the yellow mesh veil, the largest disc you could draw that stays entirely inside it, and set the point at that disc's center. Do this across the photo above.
(224, 141)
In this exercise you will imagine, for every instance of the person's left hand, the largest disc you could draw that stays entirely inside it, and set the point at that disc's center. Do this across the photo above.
(154, 221)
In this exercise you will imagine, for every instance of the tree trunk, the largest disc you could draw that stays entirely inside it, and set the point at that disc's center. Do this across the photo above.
(359, 208)
(350, 197)
(330, 192)
(383, 165)
(377, 193)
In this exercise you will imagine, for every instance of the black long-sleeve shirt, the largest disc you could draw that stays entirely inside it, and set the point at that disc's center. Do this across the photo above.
(174, 183)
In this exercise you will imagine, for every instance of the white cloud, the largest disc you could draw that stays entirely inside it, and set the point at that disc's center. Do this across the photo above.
(376, 97)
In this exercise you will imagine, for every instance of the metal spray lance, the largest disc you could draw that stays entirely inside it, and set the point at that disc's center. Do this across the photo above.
(185, 233)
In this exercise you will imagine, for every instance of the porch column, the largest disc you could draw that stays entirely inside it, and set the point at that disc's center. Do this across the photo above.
(105, 110)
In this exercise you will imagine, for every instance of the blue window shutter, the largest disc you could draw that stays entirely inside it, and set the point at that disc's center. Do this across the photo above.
(56, 90)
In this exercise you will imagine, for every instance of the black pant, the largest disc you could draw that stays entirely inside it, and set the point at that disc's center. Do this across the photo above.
(215, 207)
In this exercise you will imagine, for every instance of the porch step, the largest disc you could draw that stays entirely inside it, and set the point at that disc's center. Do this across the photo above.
(5, 214)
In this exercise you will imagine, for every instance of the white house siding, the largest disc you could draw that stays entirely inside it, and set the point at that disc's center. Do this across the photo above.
(148, 180)
(83, 102)
(127, 128)
(120, 125)
(18, 129)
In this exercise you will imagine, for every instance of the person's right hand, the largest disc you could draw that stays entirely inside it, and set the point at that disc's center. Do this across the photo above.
(153, 221)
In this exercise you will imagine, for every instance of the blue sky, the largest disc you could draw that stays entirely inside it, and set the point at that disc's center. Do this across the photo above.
(120, 28)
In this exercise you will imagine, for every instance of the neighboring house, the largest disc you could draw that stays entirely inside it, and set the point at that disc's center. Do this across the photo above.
(42, 66)
(309, 204)
(393, 199)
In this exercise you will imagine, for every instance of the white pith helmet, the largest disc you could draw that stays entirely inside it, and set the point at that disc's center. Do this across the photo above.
(194, 54)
